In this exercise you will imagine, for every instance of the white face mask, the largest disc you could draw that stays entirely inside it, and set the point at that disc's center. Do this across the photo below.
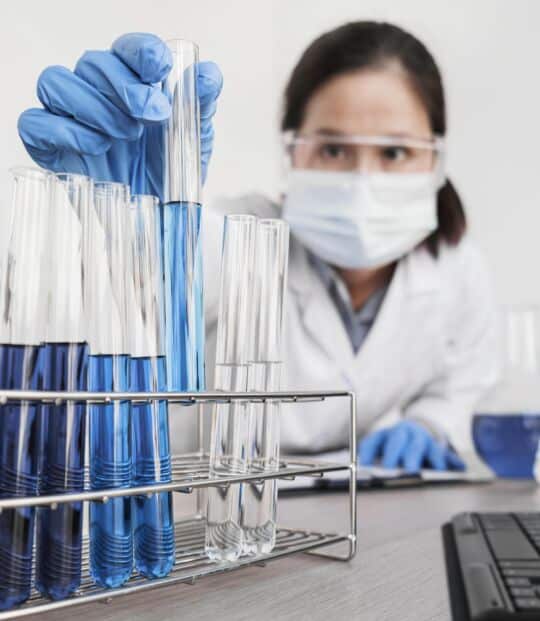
(354, 220)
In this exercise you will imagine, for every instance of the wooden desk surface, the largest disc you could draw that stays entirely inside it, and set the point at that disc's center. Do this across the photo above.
(398, 573)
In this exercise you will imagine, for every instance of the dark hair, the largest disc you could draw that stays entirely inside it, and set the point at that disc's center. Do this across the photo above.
(366, 44)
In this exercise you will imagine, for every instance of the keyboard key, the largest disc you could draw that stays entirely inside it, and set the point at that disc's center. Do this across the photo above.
(528, 603)
(522, 573)
(523, 592)
(511, 544)
(518, 582)
(497, 521)
(520, 564)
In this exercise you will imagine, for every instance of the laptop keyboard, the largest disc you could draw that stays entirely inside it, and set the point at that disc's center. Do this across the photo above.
(499, 557)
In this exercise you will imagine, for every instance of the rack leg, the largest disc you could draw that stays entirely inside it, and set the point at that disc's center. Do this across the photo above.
(352, 490)
(200, 440)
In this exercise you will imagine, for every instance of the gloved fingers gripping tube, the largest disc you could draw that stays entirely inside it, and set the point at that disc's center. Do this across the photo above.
(182, 244)
(22, 329)
(106, 297)
(153, 523)
(228, 450)
(265, 364)
(64, 366)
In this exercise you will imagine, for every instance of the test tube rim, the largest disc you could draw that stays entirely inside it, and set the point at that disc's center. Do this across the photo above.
(240, 217)
(101, 185)
(152, 197)
(277, 223)
(180, 41)
(31, 172)
(77, 177)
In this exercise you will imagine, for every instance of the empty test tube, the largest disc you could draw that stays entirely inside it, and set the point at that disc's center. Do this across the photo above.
(265, 365)
(224, 538)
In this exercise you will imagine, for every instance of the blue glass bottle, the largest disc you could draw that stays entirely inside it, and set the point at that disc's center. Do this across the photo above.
(111, 541)
(19, 451)
(59, 532)
(153, 521)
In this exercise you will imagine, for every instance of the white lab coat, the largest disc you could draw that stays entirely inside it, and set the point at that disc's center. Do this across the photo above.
(430, 355)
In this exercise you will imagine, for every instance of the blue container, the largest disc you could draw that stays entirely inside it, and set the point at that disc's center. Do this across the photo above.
(153, 520)
(19, 451)
(59, 531)
(111, 538)
(508, 442)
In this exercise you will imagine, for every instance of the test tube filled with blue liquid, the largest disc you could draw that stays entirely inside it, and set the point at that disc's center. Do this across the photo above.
(107, 230)
(153, 521)
(64, 366)
(22, 329)
(182, 251)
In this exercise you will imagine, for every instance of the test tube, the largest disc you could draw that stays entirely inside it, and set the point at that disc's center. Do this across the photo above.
(64, 367)
(22, 329)
(265, 364)
(182, 244)
(224, 537)
(153, 521)
(107, 230)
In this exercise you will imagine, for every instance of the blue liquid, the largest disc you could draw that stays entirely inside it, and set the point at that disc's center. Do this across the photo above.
(58, 569)
(184, 309)
(152, 517)
(19, 453)
(508, 442)
(111, 541)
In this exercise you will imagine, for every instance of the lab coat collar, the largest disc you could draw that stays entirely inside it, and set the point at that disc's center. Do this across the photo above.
(415, 275)
(417, 271)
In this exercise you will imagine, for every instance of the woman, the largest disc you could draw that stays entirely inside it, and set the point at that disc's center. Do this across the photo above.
(387, 297)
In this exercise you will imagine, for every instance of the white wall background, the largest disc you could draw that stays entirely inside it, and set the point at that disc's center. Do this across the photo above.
(489, 52)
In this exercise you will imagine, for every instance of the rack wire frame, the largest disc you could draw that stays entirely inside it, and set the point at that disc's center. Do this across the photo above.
(191, 474)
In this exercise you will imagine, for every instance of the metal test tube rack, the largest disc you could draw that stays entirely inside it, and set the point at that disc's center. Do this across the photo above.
(190, 473)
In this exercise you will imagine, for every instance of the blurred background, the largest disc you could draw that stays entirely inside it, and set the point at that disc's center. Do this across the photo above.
(488, 51)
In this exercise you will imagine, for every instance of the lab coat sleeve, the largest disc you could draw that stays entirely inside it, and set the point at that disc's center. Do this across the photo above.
(472, 358)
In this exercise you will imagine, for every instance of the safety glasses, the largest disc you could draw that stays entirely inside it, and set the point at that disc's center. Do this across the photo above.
(346, 152)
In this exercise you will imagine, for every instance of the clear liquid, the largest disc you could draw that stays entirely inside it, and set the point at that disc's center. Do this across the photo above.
(59, 532)
(153, 520)
(19, 453)
(184, 307)
(228, 456)
(260, 502)
(111, 540)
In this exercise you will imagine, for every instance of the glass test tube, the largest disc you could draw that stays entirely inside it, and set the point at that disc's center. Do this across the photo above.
(224, 538)
(64, 367)
(153, 521)
(107, 229)
(182, 244)
(269, 288)
(22, 329)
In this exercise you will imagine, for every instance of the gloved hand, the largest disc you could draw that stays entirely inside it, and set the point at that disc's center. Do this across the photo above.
(408, 445)
(103, 119)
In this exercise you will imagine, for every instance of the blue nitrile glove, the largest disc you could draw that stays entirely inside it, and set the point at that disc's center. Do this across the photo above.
(103, 119)
(407, 445)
